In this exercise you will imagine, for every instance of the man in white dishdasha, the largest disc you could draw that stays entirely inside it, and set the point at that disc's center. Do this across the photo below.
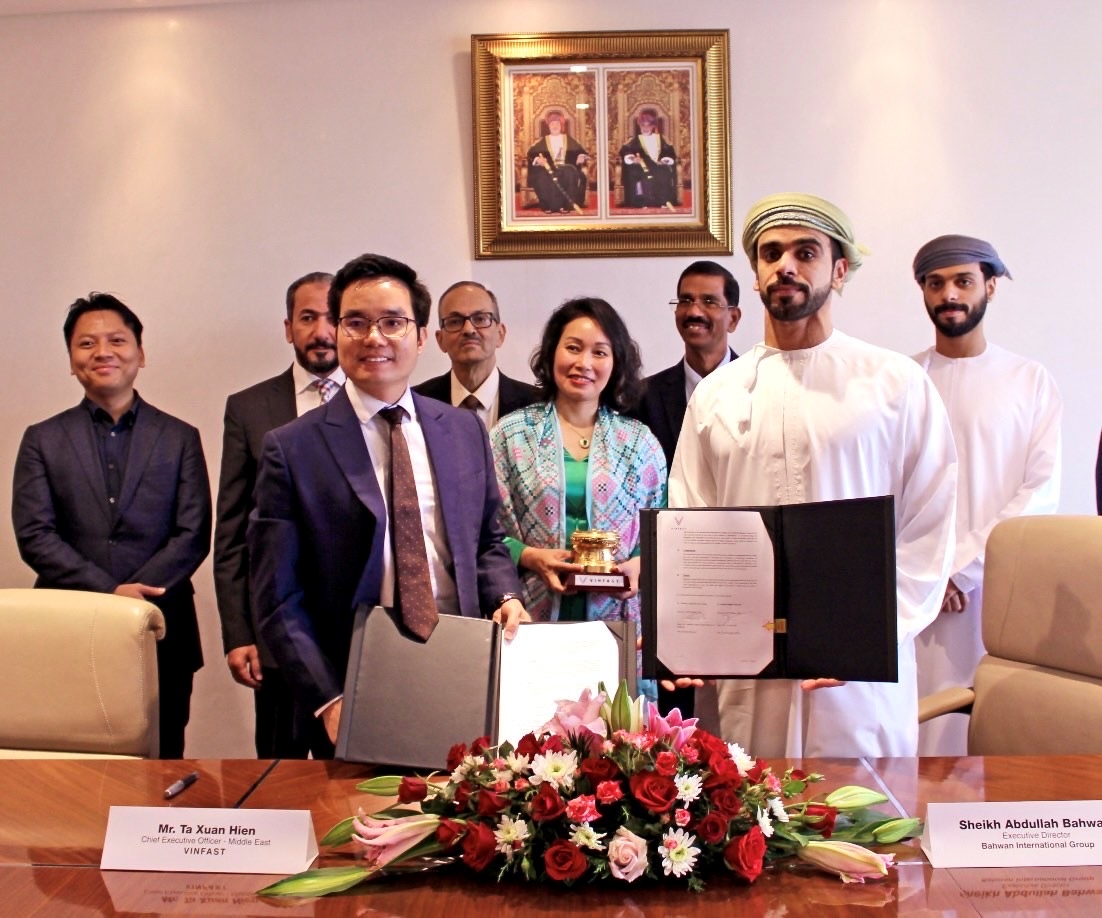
(1005, 413)
(812, 414)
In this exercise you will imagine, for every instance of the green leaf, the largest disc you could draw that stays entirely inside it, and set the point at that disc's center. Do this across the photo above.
(319, 882)
(340, 834)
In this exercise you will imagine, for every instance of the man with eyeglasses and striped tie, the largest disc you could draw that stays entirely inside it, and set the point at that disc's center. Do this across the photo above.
(382, 496)
(470, 333)
(310, 381)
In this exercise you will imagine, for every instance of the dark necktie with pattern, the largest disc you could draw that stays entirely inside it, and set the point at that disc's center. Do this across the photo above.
(407, 538)
(470, 402)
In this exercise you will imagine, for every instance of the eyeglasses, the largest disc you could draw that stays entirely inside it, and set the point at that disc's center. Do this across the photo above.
(389, 326)
(454, 323)
(707, 302)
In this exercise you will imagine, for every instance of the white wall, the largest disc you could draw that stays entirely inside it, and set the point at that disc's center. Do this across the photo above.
(195, 160)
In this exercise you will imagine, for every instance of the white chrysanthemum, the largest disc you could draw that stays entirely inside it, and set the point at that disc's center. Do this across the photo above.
(678, 853)
(517, 764)
(585, 837)
(688, 787)
(765, 822)
(777, 806)
(743, 762)
(469, 763)
(556, 768)
(509, 831)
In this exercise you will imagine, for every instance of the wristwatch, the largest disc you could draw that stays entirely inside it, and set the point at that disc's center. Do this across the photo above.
(504, 598)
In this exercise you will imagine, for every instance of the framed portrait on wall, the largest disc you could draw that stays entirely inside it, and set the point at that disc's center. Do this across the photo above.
(601, 143)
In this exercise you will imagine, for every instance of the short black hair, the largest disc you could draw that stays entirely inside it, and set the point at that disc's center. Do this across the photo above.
(711, 269)
(369, 267)
(625, 384)
(468, 283)
(100, 302)
(314, 277)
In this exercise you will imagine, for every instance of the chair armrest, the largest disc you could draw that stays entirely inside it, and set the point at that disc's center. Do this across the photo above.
(947, 701)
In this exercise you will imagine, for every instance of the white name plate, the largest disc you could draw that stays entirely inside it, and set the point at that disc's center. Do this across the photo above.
(608, 581)
(174, 839)
(1031, 833)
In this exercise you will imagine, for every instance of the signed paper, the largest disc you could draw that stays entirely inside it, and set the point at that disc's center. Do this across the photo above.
(551, 661)
(715, 593)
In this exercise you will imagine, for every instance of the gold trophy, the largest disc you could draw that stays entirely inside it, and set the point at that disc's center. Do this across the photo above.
(595, 551)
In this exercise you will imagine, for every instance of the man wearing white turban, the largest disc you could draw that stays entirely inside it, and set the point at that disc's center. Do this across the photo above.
(812, 414)
(1005, 413)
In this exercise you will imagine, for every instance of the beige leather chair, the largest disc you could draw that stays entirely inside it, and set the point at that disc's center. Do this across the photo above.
(1039, 688)
(78, 675)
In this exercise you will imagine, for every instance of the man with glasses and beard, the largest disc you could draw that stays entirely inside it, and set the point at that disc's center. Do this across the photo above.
(812, 414)
(1005, 413)
(310, 381)
(470, 333)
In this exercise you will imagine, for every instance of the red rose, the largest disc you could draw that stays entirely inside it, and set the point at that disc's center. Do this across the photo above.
(481, 745)
(654, 791)
(479, 845)
(712, 828)
(722, 773)
(455, 756)
(564, 861)
(490, 804)
(599, 769)
(820, 817)
(448, 832)
(609, 791)
(412, 790)
(528, 746)
(553, 743)
(798, 774)
(726, 801)
(744, 854)
(665, 763)
(463, 793)
(547, 804)
(754, 774)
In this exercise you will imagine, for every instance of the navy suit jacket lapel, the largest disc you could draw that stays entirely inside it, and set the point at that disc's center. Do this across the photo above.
(80, 433)
(674, 402)
(344, 437)
(143, 443)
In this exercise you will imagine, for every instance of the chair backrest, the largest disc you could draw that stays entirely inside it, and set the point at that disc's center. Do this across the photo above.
(78, 674)
(1039, 689)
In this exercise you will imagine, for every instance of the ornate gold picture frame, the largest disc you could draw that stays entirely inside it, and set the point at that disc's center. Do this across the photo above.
(601, 143)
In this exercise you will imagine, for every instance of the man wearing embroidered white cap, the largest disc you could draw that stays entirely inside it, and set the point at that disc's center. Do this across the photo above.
(812, 414)
(1005, 413)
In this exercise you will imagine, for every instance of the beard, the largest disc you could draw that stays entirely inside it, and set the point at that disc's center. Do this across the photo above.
(317, 362)
(789, 308)
(957, 329)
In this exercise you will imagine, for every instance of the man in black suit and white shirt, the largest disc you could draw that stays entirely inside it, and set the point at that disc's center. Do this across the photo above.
(310, 381)
(112, 496)
(706, 311)
(470, 333)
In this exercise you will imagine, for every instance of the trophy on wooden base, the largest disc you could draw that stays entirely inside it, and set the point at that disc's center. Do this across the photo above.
(594, 550)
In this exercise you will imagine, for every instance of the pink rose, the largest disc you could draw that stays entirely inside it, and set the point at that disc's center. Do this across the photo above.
(681, 817)
(609, 791)
(627, 855)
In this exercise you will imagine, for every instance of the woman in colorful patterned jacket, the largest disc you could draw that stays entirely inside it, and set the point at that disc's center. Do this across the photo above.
(574, 462)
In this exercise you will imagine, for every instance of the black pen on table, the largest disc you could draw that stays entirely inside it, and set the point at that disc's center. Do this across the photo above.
(178, 787)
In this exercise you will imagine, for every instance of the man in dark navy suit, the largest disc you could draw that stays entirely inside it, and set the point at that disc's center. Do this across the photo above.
(319, 539)
(112, 496)
(470, 333)
(311, 380)
(706, 311)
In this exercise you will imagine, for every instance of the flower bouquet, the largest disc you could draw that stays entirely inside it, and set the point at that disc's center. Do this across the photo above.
(611, 790)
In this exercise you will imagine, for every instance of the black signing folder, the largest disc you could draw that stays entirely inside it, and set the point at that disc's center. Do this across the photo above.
(407, 701)
(834, 601)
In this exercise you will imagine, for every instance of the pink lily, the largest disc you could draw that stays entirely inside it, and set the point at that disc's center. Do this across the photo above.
(386, 840)
(672, 728)
(851, 862)
(570, 716)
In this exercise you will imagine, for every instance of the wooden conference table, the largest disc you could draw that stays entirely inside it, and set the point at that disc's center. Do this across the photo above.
(55, 814)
